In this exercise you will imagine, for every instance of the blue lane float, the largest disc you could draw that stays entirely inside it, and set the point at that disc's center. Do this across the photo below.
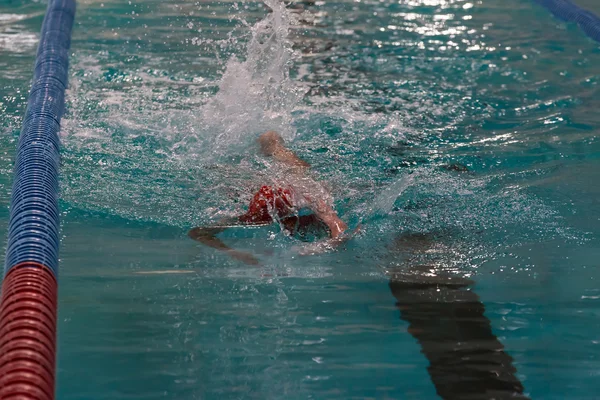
(570, 12)
(33, 228)
(28, 307)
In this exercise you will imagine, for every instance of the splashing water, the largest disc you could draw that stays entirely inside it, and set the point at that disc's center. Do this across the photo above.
(257, 94)
(384, 202)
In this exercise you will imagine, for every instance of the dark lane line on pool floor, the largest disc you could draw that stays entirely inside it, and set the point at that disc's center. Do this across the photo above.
(447, 318)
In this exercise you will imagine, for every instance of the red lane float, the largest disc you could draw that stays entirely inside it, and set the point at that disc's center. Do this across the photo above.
(28, 333)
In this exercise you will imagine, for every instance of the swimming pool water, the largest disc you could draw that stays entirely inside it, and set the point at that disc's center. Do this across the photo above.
(382, 98)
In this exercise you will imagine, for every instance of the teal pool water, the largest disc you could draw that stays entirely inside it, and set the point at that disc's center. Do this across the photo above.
(382, 98)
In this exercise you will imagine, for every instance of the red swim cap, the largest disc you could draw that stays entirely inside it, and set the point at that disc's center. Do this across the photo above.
(268, 202)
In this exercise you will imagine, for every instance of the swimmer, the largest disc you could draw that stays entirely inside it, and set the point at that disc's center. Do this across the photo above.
(281, 202)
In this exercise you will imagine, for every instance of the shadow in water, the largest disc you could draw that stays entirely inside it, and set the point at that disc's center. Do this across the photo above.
(445, 315)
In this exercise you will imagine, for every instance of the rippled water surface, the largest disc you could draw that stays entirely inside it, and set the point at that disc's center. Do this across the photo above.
(463, 135)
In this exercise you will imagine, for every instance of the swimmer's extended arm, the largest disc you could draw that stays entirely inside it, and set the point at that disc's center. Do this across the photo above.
(207, 236)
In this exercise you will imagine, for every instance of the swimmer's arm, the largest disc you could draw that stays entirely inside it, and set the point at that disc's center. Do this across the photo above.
(271, 144)
(287, 156)
(337, 227)
(328, 215)
(207, 236)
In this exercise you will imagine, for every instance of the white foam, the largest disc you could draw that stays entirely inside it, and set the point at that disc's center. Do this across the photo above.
(256, 94)
(10, 18)
(19, 42)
